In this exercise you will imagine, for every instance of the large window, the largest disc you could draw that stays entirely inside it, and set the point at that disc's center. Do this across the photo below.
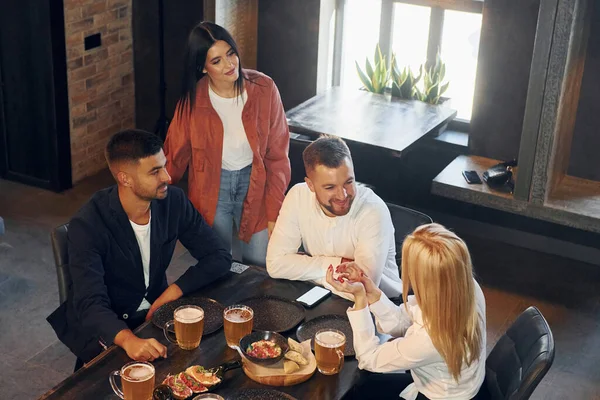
(414, 30)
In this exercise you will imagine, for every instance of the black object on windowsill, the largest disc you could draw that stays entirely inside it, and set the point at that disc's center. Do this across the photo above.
(500, 175)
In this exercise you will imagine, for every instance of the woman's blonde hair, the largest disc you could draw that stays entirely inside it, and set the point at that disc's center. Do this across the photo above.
(436, 265)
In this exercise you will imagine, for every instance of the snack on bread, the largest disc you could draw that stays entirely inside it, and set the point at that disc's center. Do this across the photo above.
(295, 346)
(202, 375)
(192, 383)
(296, 357)
(290, 366)
(179, 389)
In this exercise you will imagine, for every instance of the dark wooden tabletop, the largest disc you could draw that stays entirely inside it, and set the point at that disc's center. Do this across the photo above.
(368, 118)
(91, 382)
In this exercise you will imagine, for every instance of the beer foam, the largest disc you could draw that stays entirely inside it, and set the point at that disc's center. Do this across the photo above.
(138, 372)
(238, 315)
(189, 315)
(330, 339)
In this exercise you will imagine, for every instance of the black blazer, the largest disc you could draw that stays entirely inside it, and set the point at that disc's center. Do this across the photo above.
(107, 272)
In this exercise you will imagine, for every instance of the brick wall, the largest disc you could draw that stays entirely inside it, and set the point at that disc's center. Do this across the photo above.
(101, 85)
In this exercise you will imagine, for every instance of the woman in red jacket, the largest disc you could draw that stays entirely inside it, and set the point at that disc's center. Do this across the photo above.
(230, 128)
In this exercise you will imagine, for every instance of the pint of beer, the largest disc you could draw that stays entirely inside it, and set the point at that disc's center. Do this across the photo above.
(189, 326)
(237, 323)
(329, 351)
(137, 379)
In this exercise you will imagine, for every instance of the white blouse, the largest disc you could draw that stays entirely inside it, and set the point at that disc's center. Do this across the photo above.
(413, 350)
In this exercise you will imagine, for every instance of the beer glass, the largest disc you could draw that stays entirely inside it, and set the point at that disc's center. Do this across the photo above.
(189, 326)
(137, 380)
(237, 323)
(329, 351)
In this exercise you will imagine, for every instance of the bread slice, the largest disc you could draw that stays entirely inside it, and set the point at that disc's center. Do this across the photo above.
(290, 367)
(295, 346)
(296, 357)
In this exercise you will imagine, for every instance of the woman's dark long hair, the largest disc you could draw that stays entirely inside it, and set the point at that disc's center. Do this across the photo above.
(201, 38)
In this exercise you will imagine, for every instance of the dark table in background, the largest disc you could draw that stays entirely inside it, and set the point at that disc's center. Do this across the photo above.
(369, 119)
(91, 382)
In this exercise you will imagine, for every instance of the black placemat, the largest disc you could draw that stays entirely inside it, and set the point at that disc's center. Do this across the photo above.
(213, 312)
(259, 394)
(330, 321)
(272, 313)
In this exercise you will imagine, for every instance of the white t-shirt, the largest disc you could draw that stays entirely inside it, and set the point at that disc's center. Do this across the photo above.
(142, 234)
(237, 152)
(365, 235)
(413, 349)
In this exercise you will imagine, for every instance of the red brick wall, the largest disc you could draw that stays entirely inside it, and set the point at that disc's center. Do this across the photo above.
(101, 86)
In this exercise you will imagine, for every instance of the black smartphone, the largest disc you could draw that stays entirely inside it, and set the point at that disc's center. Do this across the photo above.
(313, 297)
(471, 176)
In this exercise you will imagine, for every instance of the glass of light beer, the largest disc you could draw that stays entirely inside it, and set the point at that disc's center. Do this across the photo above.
(237, 323)
(329, 351)
(189, 326)
(137, 380)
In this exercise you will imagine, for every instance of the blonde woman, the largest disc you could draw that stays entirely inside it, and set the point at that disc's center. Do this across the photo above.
(439, 331)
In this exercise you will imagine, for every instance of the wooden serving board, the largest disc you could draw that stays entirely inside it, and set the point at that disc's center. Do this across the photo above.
(274, 375)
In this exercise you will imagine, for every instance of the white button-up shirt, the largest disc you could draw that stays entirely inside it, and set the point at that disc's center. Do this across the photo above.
(413, 350)
(365, 235)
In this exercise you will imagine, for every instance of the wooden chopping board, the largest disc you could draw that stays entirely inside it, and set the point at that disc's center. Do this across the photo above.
(274, 375)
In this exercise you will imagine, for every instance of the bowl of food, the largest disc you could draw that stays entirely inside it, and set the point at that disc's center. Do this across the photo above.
(264, 347)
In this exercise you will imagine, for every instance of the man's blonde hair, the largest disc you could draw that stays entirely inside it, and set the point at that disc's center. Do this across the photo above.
(436, 265)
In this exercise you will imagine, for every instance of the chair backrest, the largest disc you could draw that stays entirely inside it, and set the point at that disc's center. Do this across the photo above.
(405, 221)
(520, 359)
(297, 146)
(61, 259)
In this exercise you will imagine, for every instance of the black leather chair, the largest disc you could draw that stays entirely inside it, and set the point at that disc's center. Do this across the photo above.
(405, 220)
(61, 259)
(520, 359)
(297, 146)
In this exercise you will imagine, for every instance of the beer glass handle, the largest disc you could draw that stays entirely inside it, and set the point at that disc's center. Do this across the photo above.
(341, 357)
(167, 333)
(113, 384)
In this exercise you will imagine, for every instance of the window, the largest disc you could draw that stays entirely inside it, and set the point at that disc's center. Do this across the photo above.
(415, 30)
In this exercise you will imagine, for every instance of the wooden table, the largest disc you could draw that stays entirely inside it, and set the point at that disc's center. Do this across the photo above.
(367, 118)
(91, 382)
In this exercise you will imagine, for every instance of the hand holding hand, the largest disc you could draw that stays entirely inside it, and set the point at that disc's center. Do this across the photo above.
(353, 272)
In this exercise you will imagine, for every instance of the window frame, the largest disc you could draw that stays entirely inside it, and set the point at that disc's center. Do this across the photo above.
(434, 41)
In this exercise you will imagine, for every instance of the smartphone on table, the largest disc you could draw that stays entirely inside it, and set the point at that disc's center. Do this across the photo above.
(313, 297)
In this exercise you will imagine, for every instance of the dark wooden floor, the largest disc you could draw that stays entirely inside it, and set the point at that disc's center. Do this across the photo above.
(513, 278)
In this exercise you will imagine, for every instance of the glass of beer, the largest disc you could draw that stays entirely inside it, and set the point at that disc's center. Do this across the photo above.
(137, 380)
(237, 323)
(189, 326)
(329, 351)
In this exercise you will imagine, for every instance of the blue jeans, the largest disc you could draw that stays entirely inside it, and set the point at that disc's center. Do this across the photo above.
(232, 193)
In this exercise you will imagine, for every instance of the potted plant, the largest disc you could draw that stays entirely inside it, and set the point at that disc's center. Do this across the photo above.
(404, 84)
(433, 83)
(374, 79)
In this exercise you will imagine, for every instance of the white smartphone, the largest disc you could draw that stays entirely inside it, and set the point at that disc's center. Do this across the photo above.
(313, 297)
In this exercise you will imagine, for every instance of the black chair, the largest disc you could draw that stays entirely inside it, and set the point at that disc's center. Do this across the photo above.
(520, 359)
(61, 259)
(297, 146)
(405, 220)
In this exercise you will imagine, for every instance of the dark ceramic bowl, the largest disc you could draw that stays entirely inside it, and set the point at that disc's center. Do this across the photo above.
(264, 335)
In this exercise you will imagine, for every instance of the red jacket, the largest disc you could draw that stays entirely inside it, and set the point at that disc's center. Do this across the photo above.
(196, 140)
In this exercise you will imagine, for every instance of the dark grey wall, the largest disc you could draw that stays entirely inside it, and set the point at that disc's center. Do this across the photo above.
(288, 38)
(180, 16)
(584, 161)
(505, 53)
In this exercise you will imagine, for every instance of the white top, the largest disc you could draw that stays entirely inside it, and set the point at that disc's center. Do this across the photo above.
(142, 234)
(237, 152)
(365, 234)
(414, 350)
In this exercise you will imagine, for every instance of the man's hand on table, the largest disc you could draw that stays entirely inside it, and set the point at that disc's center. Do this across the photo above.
(173, 292)
(140, 349)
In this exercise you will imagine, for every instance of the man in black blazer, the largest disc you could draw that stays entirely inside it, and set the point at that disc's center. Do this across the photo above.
(120, 244)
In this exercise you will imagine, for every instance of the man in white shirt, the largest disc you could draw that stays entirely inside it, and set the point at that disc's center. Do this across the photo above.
(334, 221)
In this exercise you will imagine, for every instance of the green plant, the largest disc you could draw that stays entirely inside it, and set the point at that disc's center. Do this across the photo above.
(404, 83)
(375, 79)
(433, 86)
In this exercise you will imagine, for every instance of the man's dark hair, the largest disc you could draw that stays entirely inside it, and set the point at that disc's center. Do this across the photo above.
(132, 145)
(329, 151)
